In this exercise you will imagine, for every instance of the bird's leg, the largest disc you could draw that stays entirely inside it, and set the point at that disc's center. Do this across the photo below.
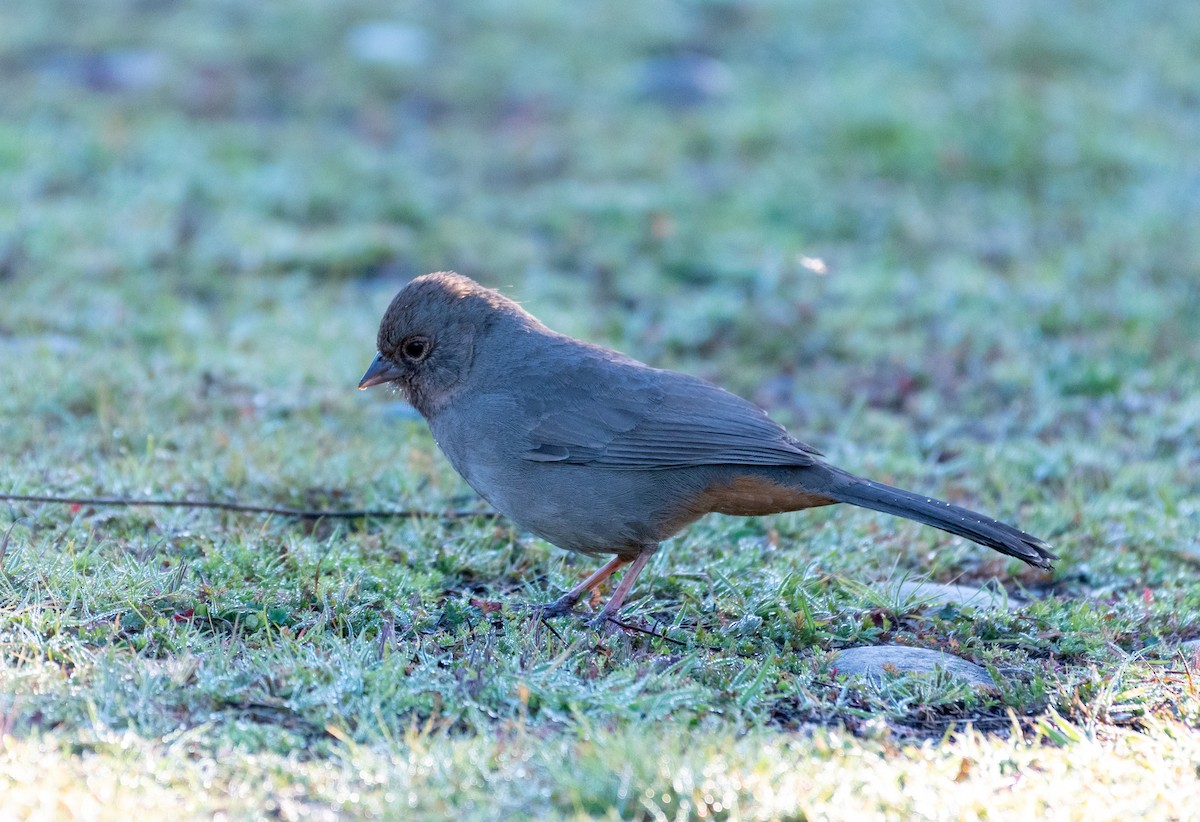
(617, 599)
(566, 603)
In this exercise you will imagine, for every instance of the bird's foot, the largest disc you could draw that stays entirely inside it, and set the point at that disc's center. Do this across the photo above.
(562, 606)
(606, 622)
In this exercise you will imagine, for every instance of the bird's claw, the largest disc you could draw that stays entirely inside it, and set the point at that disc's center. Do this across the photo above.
(563, 606)
(605, 623)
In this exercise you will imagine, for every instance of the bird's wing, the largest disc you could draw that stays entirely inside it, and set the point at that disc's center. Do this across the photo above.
(634, 417)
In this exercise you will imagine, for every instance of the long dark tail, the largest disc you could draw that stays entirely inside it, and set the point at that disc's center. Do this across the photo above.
(943, 515)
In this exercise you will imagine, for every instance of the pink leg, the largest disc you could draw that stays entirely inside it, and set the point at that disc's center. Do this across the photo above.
(617, 599)
(566, 603)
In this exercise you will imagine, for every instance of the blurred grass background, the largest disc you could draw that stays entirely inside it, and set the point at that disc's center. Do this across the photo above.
(953, 245)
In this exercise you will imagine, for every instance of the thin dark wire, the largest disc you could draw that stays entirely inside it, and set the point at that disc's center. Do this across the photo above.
(298, 513)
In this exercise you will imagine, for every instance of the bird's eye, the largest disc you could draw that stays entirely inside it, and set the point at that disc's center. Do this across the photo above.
(415, 349)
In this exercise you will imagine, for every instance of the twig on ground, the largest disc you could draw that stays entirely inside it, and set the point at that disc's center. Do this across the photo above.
(243, 508)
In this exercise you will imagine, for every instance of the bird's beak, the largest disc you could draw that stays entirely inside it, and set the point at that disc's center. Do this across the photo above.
(381, 370)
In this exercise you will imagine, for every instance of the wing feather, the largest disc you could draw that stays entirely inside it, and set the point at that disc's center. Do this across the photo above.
(623, 415)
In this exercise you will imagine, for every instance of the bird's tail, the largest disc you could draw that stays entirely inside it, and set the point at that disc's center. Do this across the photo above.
(959, 521)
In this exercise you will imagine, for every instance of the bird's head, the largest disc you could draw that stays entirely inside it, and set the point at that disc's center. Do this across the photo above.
(428, 336)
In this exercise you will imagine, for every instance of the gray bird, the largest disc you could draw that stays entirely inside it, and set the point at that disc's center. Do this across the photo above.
(599, 453)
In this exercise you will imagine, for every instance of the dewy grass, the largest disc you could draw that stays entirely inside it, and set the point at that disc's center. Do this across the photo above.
(205, 214)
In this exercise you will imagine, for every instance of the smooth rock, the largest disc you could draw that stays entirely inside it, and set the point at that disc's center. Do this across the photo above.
(879, 660)
(114, 71)
(684, 79)
(925, 592)
(389, 43)
(131, 70)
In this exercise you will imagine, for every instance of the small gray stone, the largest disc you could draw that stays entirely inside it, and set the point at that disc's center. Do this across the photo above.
(133, 69)
(113, 71)
(925, 592)
(389, 43)
(684, 79)
(877, 660)
(52, 342)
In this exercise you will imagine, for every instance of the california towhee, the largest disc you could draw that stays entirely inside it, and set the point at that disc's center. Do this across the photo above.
(599, 453)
